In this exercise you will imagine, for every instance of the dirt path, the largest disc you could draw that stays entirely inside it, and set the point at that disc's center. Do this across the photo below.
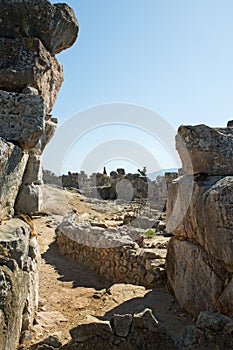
(69, 292)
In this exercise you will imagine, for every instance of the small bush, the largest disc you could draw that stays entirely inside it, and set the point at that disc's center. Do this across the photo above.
(150, 233)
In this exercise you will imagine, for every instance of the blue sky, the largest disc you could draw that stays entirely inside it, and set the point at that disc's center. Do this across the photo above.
(171, 56)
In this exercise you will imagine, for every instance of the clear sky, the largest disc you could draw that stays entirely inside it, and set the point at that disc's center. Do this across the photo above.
(174, 57)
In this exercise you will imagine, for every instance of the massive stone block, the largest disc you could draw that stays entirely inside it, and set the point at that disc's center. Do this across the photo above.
(18, 281)
(30, 195)
(205, 150)
(30, 199)
(33, 171)
(50, 129)
(25, 61)
(22, 118)
(12, 166)
(179, 195)
(55, 25)
(196, 279)
(202, 212)
(199, 214)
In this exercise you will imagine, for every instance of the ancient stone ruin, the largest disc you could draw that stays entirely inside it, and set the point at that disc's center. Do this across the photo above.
(117, 254)
(31, 33)
(198, 267)
(199, 261)
(200, 256)
(117, 185)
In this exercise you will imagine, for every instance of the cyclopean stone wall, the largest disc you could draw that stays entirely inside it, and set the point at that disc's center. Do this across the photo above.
(113, 254)
(31, 33)
(19, 258)
(200, 257)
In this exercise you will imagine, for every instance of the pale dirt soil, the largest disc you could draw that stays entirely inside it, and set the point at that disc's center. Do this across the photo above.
(69, 292)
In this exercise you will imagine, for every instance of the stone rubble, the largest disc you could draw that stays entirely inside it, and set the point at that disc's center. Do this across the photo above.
(140, 330)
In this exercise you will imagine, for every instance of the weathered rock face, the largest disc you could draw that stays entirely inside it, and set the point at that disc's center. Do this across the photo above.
(189, 268)
(200, 215)
(180, 193)
(208, 224)
(21, 118)
(25, 61)
(12, 165)
(30, 196)
(212, 331)
(55, 25)
(209, 218)
(205, 150)
(33, 171)
(30, 78)
(18, 281)
(31, 32)
(50, 129)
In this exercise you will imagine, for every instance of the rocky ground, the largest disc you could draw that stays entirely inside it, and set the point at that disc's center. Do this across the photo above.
(70, 293)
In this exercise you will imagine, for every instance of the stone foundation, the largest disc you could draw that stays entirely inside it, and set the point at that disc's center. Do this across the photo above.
(116, 259)
(140, 330)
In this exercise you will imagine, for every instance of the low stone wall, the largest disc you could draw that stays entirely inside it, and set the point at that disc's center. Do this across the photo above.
(19, 258)
(140, 330)
(113, 255)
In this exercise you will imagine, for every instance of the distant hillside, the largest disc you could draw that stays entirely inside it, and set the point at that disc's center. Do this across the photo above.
(152, 176)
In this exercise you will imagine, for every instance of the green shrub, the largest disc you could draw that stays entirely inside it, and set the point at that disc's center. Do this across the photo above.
(150, 233)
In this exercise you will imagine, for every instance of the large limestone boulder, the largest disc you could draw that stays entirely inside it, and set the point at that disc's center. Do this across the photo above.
(201, 220)
(30, 199)
(22, 118)
(211, 331)
(33, 171)
(93, 236)
(202, 212)
(55, 25)
(50, 129)
(25, 61)
(12, 165)
(18, 281)
(205, 150)
(196, 279)
(179, 195)
(30, 196)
